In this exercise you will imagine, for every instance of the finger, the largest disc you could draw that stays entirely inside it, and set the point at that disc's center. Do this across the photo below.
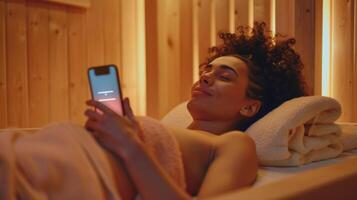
(92, 126)
(100, 106)
(93, 115)
(129, 112)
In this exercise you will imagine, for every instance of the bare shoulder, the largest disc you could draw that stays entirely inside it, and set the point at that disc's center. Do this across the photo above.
(236, 139)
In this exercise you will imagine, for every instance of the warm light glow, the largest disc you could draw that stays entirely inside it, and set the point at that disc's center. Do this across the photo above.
(195, 42)
(141, 59)
(326, 48)
(251, 13)
(272, 16)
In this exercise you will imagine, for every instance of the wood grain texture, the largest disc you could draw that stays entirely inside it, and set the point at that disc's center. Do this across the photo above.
(58, 62)
(342, 60)
(305, 37)
(95, 35)
(16, 64)
(186, 48)
(152, 56)
(221, 18)
(77, 63)
(129, 51)
(285, 17)
(244, 13)
(38, 62)
(169, 51)
(78, 3)
(262, 12)
(3, 82)
(204, 28)
(318, 49)
(354, 117)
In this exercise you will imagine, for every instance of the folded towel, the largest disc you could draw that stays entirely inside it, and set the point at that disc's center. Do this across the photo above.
(298, 132)
(348, 137)
(63, 161)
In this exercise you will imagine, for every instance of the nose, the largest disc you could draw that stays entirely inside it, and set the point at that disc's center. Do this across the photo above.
(206, 79)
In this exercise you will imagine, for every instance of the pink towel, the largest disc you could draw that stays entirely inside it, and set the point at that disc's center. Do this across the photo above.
(63, 161)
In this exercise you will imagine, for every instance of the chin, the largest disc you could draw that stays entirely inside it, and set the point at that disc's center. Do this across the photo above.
(208, 111)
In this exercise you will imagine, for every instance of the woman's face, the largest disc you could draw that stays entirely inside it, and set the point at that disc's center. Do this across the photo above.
(220, 92)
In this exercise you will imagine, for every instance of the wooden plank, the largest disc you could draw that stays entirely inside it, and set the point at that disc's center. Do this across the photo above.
(342, 60)
(285, 17)
(169, 55)
(204, 28)
(152, 76)
(263, 12)
(38, 63)
(111, 31)
(16, 64)
(79, 3)
(354, 117)
(3, 93)
(77, 63)
(58, 59)
(221, 18)
(305, 37)
(129, 51)
(186, 48)
(318, 48)
(244, 11)
(95, 37)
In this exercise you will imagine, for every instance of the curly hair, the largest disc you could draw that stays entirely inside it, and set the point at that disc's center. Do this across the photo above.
(275, 68)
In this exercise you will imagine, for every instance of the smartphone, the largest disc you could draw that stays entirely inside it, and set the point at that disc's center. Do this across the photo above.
(105, 87)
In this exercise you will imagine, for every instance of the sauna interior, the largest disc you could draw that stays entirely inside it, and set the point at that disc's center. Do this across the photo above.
(46, 46)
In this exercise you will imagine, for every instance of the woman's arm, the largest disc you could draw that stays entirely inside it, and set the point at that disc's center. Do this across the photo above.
(121, 136)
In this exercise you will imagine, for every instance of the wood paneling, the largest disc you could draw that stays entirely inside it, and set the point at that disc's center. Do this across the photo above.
(285, 17)
(342, 60)
(186, 48)
(58, 62)
(38, 62)
(305, 37)
(152, 75)
(221, 18)
(45, 49)
(204, 28)
(354, 104)
(16, 64)
(129, 51)
(3, 91)
(77, 63)
(169, 54)
(244, 13)
(79, 3)
(263, 12)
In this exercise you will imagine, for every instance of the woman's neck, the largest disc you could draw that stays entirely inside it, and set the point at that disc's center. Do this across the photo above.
(215, 127)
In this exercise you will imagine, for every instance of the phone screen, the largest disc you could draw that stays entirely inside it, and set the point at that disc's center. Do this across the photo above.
(105, 87)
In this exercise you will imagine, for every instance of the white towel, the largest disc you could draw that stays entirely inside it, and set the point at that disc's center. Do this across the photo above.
(349, 135)
(299, 131)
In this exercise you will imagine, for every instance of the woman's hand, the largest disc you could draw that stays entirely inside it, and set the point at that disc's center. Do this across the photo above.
(119, 134)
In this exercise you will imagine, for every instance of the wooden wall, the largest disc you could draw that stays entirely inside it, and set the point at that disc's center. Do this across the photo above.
(179, 34)
(45, 49)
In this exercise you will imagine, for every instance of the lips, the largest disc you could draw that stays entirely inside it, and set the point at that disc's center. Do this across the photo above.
(201, 91)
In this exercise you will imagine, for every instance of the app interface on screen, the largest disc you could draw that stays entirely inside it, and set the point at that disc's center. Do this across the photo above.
(106, 90)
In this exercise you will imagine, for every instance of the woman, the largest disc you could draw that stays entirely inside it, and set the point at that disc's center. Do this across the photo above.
(243, 79)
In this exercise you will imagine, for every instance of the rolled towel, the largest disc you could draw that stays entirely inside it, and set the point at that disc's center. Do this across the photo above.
(349, 135)
(299, 131)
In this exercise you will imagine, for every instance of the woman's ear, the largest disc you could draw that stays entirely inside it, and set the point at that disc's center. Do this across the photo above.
(251, 108)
